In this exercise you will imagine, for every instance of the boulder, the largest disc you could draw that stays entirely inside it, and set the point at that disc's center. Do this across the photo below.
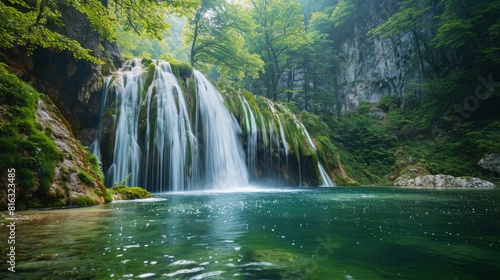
(491, 162)
(442, 181)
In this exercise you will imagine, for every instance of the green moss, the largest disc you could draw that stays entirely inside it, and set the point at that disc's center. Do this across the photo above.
(109, 196)
(95, 164)
(3, 221)
(86, 178)
(131, 192)
(24, 144)
(146, 61)
(181, 70)
(84, 201)
(150, 75)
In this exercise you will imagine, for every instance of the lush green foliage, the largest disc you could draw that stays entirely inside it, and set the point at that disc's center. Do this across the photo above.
(34, 23)
(366, 139)
(215, 36)
(24, 145)
(84, 201)
(95, 164)
(277, 37)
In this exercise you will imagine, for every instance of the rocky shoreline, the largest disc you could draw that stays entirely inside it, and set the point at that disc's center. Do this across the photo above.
(442, 181)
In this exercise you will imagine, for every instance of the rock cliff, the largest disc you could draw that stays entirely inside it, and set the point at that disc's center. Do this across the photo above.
(69, 82)
(372, 67)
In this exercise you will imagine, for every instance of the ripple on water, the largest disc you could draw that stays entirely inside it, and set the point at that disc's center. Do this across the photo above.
(146, 275)
(184, 271)
(182, 262)
(205, 275)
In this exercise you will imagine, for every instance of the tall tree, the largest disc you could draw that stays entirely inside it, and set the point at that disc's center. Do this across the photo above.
(215, 35)
(279, 32)
(323, 61)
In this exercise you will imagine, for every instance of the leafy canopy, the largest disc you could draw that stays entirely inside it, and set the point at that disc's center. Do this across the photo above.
(215, 35)
(35, 23)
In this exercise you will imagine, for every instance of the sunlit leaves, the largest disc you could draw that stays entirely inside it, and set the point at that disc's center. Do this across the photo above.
(28, 27)
(32, 23)
(342, 11)
(278, 34)
(215, 35)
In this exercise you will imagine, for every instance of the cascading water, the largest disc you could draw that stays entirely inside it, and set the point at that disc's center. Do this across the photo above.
(156, 146)
(324, 176)
(224, 157)
(158, 137)
(251, 132)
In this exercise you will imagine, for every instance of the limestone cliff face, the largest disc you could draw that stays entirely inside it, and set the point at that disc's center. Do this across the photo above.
(372, 67)
(68, 185)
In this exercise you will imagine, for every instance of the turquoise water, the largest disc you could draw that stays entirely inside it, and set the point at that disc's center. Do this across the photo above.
(322, 233)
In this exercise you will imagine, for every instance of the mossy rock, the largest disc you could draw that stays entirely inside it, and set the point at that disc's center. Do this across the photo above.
(84, 201)
(86, 178)
(129, 193)
(25, 144)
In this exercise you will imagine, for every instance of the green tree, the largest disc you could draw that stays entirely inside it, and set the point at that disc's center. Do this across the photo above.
(34, 23)
(278, 34)
(323, 62)
(215, 35)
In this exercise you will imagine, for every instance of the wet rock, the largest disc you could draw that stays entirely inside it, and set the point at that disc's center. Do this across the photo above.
(444, 181)
(491, 162)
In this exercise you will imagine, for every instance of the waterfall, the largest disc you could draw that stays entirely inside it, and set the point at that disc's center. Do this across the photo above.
(155, 135)
(127, 153)
(251, 132)
(224, 157)
(324, 176)
(155, 144)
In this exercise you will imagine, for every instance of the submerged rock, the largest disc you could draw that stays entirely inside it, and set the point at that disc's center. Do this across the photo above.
(442, 181)
(491, 162)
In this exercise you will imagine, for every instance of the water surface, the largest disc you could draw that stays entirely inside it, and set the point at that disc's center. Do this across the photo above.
(322, 233)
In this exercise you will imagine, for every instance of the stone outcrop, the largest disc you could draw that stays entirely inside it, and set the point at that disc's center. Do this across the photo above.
(70, 83)
(371, 67)
(444, 181)
(491, 162)
(75, 158)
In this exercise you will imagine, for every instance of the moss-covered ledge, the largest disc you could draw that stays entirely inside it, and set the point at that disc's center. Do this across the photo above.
(129, 193)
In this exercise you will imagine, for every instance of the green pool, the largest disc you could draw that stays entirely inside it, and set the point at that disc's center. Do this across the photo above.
(321, 233)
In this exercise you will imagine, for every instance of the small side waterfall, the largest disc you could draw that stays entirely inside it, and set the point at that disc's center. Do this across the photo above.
(251, 132)
(155, 135)
(324, 176)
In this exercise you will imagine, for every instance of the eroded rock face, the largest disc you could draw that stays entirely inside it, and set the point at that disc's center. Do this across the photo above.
(444, 181)
(491, 162)
(372, 67)
(75, 157)
(70, 83)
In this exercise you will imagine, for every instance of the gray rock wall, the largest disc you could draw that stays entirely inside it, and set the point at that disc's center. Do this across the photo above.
(373, 67)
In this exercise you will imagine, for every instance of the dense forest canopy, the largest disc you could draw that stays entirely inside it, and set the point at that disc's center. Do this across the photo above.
(297, 52)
